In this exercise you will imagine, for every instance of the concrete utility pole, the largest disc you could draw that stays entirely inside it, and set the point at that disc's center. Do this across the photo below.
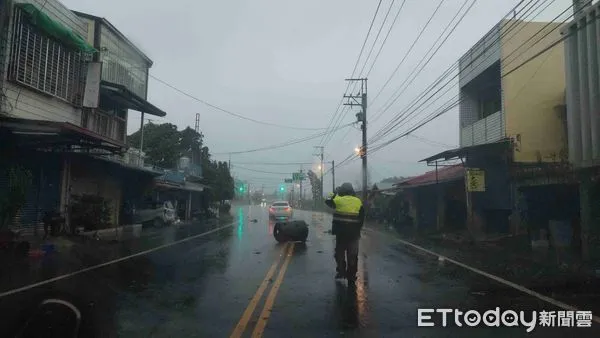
(360, 100)
(301, 179)
(142, 134)
(320, 155)
(248, 193)
(333, 176)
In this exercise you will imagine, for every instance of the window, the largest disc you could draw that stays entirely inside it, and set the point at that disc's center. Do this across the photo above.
(44, 64)
(490, 101)
(489, 107)
(121, 64)
(281, 204)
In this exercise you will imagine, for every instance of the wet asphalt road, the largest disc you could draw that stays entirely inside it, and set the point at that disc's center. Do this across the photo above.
(239, 282)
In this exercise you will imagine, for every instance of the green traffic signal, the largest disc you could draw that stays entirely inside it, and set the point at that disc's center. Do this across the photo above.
(281, 188)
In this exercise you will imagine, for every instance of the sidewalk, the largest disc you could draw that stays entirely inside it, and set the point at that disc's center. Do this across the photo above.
(74, 253)
(509, 258)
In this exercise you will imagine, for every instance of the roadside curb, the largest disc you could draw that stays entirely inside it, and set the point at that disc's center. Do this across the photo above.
(113, 233)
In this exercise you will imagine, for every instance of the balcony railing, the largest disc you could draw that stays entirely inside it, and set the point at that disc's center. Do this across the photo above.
(486, 130)
(106, 125)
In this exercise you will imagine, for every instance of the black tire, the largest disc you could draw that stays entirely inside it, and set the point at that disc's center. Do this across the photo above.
(278, 234)
(304, 236)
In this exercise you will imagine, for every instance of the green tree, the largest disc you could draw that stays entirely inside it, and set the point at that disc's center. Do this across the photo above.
(161, 144)
(164, 145)
(190, 145)
(315, 183)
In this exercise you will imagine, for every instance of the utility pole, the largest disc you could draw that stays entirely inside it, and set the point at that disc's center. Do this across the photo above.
(320, 155)
(197, 126)
(301, 179)
(333, 176)
(360, 100)
(142, 134)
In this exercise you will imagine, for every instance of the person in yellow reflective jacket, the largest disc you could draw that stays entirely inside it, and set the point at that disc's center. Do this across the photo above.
(348, 219)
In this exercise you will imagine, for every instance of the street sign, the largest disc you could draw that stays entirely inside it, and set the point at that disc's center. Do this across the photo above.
(298, 177)
(475, 180)
(288, 180)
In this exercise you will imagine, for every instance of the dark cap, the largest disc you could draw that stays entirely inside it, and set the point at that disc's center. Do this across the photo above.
(346, 189)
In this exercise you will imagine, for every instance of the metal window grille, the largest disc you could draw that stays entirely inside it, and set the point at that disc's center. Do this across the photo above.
(44, 64)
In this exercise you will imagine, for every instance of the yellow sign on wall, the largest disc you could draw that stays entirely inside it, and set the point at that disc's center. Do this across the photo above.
(475, 180)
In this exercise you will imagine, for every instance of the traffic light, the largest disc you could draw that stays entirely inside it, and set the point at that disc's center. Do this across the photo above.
(281, 187)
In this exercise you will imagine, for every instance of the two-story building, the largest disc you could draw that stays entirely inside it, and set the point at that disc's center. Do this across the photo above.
(511, 123)
(67, 83)
(121, 74)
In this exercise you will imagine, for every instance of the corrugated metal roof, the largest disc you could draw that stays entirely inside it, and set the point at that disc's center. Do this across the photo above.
(443, 174)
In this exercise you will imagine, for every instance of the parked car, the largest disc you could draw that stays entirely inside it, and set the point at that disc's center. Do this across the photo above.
(281, 210)
(155, 214)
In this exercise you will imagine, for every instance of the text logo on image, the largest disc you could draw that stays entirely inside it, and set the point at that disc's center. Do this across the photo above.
(505, 318)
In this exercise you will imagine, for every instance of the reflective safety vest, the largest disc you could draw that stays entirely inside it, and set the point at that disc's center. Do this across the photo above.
(347, 209)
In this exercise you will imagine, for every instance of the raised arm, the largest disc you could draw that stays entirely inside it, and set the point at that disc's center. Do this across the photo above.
(329, 201)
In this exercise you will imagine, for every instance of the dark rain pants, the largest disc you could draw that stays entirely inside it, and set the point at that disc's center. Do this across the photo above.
(346, 255)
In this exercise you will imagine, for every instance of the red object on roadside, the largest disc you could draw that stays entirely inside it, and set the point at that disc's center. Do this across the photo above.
(36, 253)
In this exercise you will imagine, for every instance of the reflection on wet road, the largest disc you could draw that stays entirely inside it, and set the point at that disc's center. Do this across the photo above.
(240, 282)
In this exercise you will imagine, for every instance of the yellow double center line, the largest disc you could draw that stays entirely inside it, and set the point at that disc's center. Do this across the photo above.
(287, 251)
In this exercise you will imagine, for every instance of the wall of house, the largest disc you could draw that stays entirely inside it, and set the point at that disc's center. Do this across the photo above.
(43, 193)
(100, 178)
(26, 103)
(582, 62)
(480, 57)
(475, 126)
(121, 63)
(533, 94)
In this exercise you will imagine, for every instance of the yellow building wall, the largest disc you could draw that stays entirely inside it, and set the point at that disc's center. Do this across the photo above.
(534, 93)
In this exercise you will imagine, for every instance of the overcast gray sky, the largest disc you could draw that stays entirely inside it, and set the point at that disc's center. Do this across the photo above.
(285, 62)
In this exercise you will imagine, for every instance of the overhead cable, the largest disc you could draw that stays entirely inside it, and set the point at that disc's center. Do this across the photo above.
(227, 111)
(354, 70)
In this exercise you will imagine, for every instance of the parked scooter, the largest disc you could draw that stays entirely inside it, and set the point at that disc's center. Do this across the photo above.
(53, 318)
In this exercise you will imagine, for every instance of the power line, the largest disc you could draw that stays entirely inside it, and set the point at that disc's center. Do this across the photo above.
(432, 142)
(380, 47)
(352, 157)
(438, 96)
(439, 79)
(376, 38)
(235, 166)
(546, 49)
(397, 93)
(386, 37)
(399, 117)
(281, 145)
(353, 70)
(408, 51)
(227, 111)
(275, 163)
(404, 58)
